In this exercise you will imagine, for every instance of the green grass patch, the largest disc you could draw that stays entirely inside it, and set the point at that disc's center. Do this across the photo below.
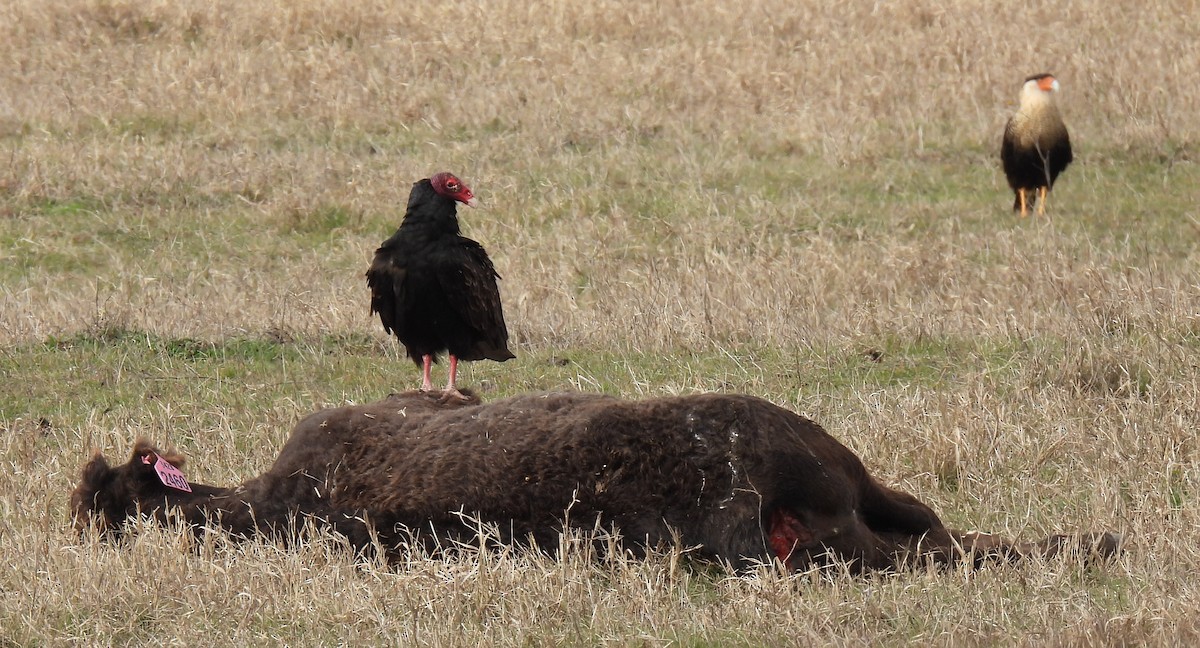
(321, 224)
(113, 368)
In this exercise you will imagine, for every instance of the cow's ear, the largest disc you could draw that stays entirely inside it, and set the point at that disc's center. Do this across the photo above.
(173, 458)
(141, 448)
(96, 476)
(145, 453)
(95, 472)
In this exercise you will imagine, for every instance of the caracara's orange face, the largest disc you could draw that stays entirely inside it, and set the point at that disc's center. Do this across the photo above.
(1038, 90)
(1048, 84)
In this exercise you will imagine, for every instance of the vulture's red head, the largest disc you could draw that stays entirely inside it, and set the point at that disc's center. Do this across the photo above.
(448, 185)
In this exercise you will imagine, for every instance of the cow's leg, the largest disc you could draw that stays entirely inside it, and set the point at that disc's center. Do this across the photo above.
(891, 511)
(918, 534)
(908, 530)
(1089, 546)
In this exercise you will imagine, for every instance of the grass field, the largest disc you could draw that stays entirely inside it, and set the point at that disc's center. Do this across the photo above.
(785, 199)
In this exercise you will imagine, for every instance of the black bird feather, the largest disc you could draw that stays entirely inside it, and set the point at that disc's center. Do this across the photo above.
(433, 288)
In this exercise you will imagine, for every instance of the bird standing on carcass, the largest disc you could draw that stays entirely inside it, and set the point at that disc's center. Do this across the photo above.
(1036, 147)
(436, 290)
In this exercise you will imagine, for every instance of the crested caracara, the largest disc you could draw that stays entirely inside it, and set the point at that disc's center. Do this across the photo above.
(1036, 147)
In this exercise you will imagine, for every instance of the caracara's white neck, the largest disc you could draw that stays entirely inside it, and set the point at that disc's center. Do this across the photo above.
(1034, 98)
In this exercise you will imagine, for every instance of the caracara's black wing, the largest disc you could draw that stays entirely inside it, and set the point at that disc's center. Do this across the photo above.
(467, 280)
(1060, 154)
(1008, 154)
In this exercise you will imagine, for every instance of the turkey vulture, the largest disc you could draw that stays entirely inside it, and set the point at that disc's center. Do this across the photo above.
(436, 290)
(1036, 147)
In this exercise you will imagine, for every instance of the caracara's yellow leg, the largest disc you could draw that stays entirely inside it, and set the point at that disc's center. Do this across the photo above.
(1021, 198)
(1042, 191)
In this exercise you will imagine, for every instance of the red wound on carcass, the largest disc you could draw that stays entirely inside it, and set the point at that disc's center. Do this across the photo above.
(787, 533)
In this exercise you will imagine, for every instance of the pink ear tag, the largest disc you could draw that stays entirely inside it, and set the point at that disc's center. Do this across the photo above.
(169, 475)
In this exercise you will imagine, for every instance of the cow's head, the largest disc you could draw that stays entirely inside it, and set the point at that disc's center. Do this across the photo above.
(107, 495)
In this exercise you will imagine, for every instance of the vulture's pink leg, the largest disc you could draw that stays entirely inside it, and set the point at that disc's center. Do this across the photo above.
(451, 390)
(427, 381)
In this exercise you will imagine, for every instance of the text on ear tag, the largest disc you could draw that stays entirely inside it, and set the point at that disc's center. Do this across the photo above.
(170, 475)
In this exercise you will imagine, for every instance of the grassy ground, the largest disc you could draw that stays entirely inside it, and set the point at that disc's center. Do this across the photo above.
(782, 199)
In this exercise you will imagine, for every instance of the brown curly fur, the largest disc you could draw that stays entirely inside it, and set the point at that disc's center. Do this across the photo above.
(738, 478)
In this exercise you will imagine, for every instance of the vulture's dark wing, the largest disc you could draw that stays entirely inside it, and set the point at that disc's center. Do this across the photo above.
(385, 277)
(469, 285)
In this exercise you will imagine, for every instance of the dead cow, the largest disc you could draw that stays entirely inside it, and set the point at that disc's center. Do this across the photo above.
(735, 477)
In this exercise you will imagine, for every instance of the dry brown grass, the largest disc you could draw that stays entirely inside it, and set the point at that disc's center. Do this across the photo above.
(681, 196)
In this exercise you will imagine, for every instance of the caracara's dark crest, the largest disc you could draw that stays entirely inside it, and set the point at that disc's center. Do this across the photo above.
(436, 290)
(1036, 147)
